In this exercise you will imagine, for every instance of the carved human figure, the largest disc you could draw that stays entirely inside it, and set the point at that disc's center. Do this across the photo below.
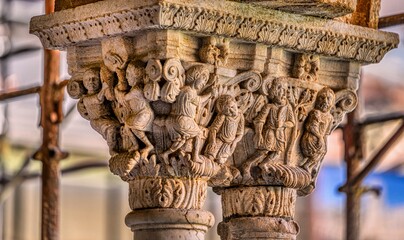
(181, 124)
(115, 63)
(94, 107)
(270, 128)
(316, 129)
(122, 111)
(141, 116)
(113, 69)
(226, 130)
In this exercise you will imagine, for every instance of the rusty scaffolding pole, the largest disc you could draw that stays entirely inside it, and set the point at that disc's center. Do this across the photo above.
(353, 145)
(354, 138)
(51, 99)
(354, 142)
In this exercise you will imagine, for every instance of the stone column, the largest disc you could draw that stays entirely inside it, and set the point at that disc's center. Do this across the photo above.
(228, 94)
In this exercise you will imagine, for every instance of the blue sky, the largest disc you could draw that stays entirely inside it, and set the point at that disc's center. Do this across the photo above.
(332, 177)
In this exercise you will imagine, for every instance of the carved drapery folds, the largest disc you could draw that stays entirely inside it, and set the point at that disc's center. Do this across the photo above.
(211, 93)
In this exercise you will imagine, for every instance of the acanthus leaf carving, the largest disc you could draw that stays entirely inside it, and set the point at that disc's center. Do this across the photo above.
(328, 44)
(167, 14)
(184, 18)
(270, 33)
(161, 192)
(367, 51)
(76, 32)
(349, 47)
(110, 25)
(290, 36)
(250, 28)
(309, 40)
(93, 28)
(228, 24)
(383, 50)
(258, 201)
(206, 21)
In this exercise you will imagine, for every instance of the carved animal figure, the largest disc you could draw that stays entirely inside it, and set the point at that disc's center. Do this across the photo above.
(226, 130)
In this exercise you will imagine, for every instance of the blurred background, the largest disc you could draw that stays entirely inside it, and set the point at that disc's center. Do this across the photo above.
(94, 202)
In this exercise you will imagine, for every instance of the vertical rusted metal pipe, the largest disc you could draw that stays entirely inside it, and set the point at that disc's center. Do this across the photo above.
(365, 15)
(49, 153)
(353, 155)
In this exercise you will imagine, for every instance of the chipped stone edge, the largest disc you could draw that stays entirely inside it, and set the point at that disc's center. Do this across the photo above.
(234, 20)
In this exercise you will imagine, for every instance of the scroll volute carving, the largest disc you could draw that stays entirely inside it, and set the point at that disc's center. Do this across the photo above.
(161, 119)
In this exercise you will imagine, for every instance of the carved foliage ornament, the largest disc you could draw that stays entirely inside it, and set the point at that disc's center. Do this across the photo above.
(167, 193)
(258, 201)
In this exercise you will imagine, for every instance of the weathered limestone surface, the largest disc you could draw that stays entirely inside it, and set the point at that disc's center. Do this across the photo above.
(66, 4)
(320, 8)
(211, 93)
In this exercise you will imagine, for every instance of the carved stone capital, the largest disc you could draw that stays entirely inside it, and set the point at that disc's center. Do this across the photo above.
(219, 93)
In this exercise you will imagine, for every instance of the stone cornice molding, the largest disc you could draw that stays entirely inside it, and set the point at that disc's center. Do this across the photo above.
(234, 20)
